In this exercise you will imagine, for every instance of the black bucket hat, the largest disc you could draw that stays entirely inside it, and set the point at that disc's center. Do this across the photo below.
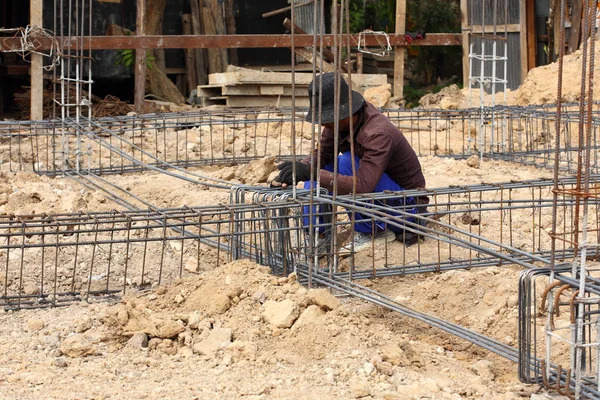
(326, 84)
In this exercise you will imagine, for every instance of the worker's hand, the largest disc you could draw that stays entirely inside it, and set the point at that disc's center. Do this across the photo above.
(275, 184)
(286, 173)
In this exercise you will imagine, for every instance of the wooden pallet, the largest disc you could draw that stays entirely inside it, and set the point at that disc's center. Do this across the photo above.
(241, 87)
(252, 95)
(251, 90)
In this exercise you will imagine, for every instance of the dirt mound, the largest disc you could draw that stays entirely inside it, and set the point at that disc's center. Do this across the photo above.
(243, 332)
(541, 84)
(485, 300)
(449, 98)
(240, 298)
(379, 96)
(26, 193)
(540, 87)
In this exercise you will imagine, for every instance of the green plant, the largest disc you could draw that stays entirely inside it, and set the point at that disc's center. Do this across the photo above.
(357, 16)
(433, 62)
(127, 58)
(378, 15)
(412, 96)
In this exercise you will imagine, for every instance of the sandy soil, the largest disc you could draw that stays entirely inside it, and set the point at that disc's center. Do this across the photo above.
(266, 336)
(237, 332)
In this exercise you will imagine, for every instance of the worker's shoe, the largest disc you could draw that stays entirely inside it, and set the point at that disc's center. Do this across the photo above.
(363, 241)
(409, 238)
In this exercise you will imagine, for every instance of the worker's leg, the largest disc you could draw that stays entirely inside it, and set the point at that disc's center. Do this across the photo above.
(365, 224)
(321, 214)
(385, 183)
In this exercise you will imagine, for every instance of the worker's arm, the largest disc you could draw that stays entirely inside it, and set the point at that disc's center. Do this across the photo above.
(302, 170)
(326, 149)
(377, 153)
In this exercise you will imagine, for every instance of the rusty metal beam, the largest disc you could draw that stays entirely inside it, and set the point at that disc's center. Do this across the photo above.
(224, 41)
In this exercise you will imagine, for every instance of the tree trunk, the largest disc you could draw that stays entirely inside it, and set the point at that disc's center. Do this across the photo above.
(190, 59)
(158, 83)
(155, 10)
(200, 55)
(230, 18)
(159, 55)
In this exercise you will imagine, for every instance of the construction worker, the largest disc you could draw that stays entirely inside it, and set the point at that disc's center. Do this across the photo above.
(384, 160)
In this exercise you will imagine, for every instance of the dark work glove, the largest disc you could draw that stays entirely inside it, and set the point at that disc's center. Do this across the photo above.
(286, 172)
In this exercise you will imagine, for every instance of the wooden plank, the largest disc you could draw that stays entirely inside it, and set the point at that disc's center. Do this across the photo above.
(359, 62)
(37, 63)
(575, 33)
(209, 91)
(250, 90)
(303, 67)
(399, 52)
(140, 59)
(199, 56)
(212, 18)
(191, 76)
(556, 30)
(464, 23)
(266, 90)
(230, 18)
(266, 101)
(307, 54)
(286, 9)
(220, 29)
(531, 45)
(240, 76)
(327, 54)
(221, 41)
(245, 90)
(523, 39)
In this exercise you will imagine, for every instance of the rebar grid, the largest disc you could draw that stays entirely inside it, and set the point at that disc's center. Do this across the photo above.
(96, 253)
(274, 235)
(108, 145)
(563, 301)
(457, 217)
(73, 83)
